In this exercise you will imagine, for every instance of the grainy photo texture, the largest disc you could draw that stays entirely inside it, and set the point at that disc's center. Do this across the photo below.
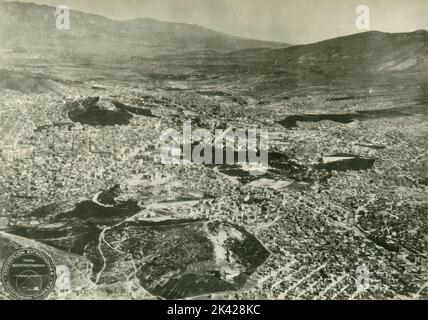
(227, 150)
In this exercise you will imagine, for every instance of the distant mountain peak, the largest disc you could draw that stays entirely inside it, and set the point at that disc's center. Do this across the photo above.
(33, 25)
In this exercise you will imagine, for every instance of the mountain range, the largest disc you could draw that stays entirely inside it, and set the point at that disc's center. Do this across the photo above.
(32, 26)
(386, 63)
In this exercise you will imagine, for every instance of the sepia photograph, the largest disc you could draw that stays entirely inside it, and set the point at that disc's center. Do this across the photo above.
(214, 150)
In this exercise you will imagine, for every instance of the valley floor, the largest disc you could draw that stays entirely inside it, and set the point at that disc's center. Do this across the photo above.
(328, 233)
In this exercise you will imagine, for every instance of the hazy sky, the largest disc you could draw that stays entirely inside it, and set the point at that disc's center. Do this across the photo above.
(292, 21)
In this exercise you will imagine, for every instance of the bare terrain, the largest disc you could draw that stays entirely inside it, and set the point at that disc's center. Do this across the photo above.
(80, 175)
